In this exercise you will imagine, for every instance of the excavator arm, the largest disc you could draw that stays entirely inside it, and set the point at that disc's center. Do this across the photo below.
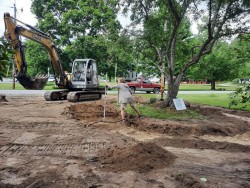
(12, 34)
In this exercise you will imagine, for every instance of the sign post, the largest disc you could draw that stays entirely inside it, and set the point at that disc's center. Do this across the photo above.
(179, 104)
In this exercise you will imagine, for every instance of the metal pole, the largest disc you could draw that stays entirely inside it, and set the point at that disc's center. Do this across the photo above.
(115, 70)
(104, 111)
(162, 86)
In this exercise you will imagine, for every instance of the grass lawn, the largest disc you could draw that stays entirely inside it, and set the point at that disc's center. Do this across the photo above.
(154, 110)
(206, 87)
(8, 86)
(220, 100)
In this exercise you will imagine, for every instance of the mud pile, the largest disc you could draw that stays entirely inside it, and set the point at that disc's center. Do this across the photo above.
(141, 157)
(91, 110)
(2, 98)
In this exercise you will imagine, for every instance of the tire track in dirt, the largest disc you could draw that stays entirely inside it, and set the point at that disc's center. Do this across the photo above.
(80, 150)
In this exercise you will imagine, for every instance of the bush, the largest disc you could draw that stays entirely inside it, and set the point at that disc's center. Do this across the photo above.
(240, 96)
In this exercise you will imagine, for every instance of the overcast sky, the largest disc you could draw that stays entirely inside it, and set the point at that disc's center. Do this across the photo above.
(24, 14)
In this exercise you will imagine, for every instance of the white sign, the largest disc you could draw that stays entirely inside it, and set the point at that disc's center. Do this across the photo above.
(179, 104)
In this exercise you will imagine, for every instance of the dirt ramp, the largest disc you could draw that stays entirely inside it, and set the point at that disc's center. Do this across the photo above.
(91, 110)
(142, 157)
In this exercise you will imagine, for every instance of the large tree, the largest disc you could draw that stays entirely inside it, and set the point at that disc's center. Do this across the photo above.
(86, 29)
(222, 18)
(241, 46)
(67, 20)
(220, 65)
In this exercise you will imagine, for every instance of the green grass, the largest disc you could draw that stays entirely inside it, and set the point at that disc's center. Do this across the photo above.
(220, 100)
(8, 86)
(153, 111)
(197, 87)
(205, 87)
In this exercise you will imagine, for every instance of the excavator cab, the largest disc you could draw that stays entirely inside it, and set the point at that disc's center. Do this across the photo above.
(84, 74)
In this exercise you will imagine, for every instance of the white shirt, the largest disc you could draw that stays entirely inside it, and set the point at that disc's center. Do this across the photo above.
(124, 93)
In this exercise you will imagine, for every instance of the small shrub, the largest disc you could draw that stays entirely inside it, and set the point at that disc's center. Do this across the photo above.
(152, 100)
(240, 96)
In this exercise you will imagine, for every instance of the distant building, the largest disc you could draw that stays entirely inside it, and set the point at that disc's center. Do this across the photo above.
(131, 75)
(244, 80)
(191, 81)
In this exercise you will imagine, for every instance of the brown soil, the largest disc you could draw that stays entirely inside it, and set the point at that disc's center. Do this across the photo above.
(61, 144)
(143, 157)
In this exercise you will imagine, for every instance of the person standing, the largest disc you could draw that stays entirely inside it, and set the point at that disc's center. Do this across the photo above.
(124, 97)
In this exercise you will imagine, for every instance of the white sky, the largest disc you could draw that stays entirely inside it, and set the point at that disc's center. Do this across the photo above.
(25, 16)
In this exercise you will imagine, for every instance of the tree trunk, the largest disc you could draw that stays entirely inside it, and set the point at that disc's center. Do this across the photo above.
(212, 84)
(173, 88)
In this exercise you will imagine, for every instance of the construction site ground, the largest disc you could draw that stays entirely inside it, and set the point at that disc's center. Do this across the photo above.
(61, 144)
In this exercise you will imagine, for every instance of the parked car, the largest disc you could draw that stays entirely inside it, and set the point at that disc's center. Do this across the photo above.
(51, 78)
(141, 84)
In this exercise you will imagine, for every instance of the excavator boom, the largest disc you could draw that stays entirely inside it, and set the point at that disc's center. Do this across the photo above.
(12, 34)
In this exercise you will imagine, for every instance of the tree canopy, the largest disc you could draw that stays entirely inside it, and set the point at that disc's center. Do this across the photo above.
(222, 17)
(160, 37)
(86, 29)
(5, 55)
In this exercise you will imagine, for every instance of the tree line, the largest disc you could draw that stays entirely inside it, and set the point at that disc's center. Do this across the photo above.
(158, 40)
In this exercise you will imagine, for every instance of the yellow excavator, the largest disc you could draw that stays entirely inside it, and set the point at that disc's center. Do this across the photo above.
(79, 85)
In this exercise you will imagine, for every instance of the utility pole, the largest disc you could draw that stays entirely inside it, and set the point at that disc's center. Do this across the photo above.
(115, 70)
(13, 60)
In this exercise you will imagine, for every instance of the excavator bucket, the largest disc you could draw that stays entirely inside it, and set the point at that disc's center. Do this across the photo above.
(37, 83)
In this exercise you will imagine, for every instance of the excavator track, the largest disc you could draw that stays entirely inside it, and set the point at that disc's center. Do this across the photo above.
(55, 95)
(74, 96)
(79, 96)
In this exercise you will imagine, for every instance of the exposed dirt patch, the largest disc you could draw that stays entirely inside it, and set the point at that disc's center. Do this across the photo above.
(142, 157)
(3, 99)
(94, 111)
(60, 144)
(195, 143)
(215, 123)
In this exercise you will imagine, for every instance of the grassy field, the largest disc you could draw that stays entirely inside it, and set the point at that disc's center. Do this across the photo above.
(8, 86)
(154, 110)
(206, 87)
(220, 100)
(183, 87)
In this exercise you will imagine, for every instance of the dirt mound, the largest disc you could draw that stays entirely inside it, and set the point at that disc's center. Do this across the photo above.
(2, 98)
(142, 157)
(216, 112)
(180, 142)
(210, 125)
(91, 110)
(140, 100)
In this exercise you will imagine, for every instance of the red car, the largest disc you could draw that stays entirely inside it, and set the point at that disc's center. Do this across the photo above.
(141, 84)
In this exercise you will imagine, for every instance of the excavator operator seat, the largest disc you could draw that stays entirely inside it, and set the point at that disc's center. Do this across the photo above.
(84, 74)
(79, 71)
